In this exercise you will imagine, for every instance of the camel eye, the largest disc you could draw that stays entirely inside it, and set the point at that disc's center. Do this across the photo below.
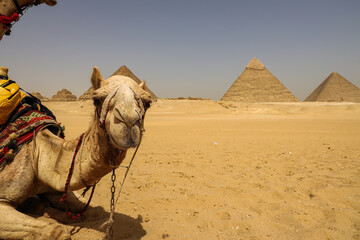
(96, 102)
(147, 105)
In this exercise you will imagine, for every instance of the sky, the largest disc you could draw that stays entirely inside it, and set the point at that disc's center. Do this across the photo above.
(185, 48)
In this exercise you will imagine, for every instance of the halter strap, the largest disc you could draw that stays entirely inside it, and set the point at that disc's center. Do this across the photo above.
(20, 11)
(9, 21)
(105, 110)
(106, 105)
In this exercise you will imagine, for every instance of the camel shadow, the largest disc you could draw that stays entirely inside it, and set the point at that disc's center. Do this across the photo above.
(124, 226)
(90, 225)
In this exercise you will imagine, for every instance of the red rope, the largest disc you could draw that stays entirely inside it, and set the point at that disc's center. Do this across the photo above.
(9, 20)
(71, 170)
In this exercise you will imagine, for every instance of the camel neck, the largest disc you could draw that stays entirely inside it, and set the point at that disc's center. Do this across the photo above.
(96, 155)
(92, 162)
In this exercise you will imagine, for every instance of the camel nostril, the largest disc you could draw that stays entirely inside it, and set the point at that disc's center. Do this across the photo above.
(126, 118)
(118, 115)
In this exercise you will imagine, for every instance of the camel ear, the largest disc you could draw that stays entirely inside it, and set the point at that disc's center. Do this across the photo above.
(142, 85)
(96, 78)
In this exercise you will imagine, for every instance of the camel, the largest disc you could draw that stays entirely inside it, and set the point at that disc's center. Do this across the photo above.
(41, 166)
(11, 9)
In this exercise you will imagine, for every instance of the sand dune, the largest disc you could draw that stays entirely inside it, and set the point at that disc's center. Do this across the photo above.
(225, 170)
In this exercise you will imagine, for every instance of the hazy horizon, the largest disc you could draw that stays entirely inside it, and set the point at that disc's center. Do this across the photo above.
(183, 48)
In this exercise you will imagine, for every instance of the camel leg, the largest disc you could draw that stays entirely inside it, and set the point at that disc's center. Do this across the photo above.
(76, 204)
(16, 225)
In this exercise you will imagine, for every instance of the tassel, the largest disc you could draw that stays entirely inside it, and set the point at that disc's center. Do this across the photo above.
(13, 142)
(9, 156)
(13, 136)
(13, 145)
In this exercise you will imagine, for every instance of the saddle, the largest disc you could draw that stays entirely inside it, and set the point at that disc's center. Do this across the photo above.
(10, 98)
(29, 118)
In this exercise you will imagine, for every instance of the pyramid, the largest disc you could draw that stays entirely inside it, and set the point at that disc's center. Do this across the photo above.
(64, 96)
(124, 71)
(39, 96)
(87, 95)
(257, 84)
(335, 88)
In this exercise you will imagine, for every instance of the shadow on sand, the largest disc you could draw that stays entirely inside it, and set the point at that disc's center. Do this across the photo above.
(124, 227)
(89, 226)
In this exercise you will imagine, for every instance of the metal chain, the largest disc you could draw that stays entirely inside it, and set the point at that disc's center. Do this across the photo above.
(112, 201)
(109, 223)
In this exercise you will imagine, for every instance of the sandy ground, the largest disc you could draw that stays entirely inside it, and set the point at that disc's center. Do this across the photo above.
(223, 170)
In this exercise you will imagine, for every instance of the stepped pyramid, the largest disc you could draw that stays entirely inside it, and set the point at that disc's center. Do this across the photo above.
(257, 84)
(64, 96)
(335, 88)
(124, 71)
(39, 96)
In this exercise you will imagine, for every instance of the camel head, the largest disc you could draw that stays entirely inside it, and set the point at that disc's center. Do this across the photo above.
(121, 105)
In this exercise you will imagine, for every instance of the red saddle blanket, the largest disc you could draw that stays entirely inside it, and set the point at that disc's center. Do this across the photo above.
(23, 129)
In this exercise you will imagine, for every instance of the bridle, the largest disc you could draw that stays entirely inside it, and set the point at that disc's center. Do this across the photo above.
(9, 21)
(101, 119)
(108, 225)
(21, 10)
(105, 108)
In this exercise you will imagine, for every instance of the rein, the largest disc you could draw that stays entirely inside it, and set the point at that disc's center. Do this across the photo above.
(63, 199)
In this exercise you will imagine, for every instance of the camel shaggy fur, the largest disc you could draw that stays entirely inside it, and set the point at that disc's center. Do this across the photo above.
(8, 7)
(41, 167)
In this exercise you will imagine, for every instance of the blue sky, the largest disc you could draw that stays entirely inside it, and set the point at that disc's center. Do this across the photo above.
(184, 48)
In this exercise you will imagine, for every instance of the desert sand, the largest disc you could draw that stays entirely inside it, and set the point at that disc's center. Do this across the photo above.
(226, 170)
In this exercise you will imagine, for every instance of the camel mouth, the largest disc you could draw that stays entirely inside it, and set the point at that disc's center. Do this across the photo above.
(131, 143)
(131, 139)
